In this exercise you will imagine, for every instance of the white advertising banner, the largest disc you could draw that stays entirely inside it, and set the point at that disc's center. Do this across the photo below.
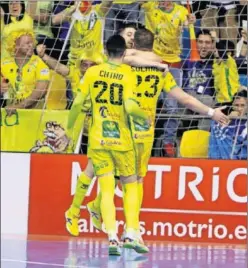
(15, 176)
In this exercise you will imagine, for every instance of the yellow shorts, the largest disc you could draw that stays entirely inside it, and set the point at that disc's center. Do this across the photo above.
(143, 154)
(108, 161)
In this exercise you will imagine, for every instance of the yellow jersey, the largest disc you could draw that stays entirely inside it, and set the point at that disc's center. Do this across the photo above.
(23, 81)
(226, 79)
(15, 25)
(74, 76)
(123, 2)
(87, 35)
(150, 83)
(109, 85)
(167, 27)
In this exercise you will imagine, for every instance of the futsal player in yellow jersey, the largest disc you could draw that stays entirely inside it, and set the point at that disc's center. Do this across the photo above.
(110, 87)
(150, 83)
(87, 32)
(165, 20)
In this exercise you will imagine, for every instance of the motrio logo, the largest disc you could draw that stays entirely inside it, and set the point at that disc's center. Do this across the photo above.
(190, 182)
(184, 199)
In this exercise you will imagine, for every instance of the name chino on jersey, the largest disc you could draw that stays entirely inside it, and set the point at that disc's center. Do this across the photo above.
(109, 86)
(150, 82)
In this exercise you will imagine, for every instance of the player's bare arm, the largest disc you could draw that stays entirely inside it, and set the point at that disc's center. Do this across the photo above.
(149, 55)
(51, 62)
(193, 104)
(143, 62)
(140, 58)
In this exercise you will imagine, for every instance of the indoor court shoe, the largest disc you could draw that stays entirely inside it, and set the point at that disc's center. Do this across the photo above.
(72, 223)
(95, 215)
(114, 248)
(135, 245)
(131, 240)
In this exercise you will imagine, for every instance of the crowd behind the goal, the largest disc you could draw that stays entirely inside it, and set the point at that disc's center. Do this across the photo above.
(47, 46)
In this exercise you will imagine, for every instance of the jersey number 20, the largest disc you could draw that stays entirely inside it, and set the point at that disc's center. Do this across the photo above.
(112, 90)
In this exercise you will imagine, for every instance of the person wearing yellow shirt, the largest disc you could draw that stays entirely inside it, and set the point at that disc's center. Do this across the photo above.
(110, 87)
(150, 82)
(43, 28)
(14, 17)
(87, 30)
(27, 74)
(225, 72)
(121, 11)
(165, 19)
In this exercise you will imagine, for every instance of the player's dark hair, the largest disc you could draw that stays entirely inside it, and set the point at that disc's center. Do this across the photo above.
(116, 46)
(203, 32)
(143, 39)
(123, 26)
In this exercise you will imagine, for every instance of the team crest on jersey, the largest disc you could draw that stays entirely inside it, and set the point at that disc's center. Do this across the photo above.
(92, 20)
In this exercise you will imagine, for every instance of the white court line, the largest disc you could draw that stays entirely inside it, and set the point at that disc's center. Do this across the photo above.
(204, 212)
(43, 263)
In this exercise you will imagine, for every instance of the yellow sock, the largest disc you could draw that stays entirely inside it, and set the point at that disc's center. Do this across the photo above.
(81, 191)
(131, 205)
(107, 186)
(97, 200)
(140, 193)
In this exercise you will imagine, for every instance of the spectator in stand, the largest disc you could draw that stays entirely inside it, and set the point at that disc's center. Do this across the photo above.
(165, 19)
(230, 142)
(122, 11)
(43, 28)
(198, 79)
(27, 74)
(87, 31)
(221, 17)
(197, 76)
(225, 71)
(14, 16)
(242, 58)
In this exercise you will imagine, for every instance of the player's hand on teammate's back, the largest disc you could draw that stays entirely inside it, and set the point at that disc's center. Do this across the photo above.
(41, 49)
(220, 117)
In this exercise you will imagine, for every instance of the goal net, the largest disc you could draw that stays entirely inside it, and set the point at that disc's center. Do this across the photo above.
(204, 44)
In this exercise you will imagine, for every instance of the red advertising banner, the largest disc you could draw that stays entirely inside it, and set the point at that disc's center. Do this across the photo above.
(184, 199)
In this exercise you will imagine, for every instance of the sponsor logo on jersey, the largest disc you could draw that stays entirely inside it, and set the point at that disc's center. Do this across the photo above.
(44, 71)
